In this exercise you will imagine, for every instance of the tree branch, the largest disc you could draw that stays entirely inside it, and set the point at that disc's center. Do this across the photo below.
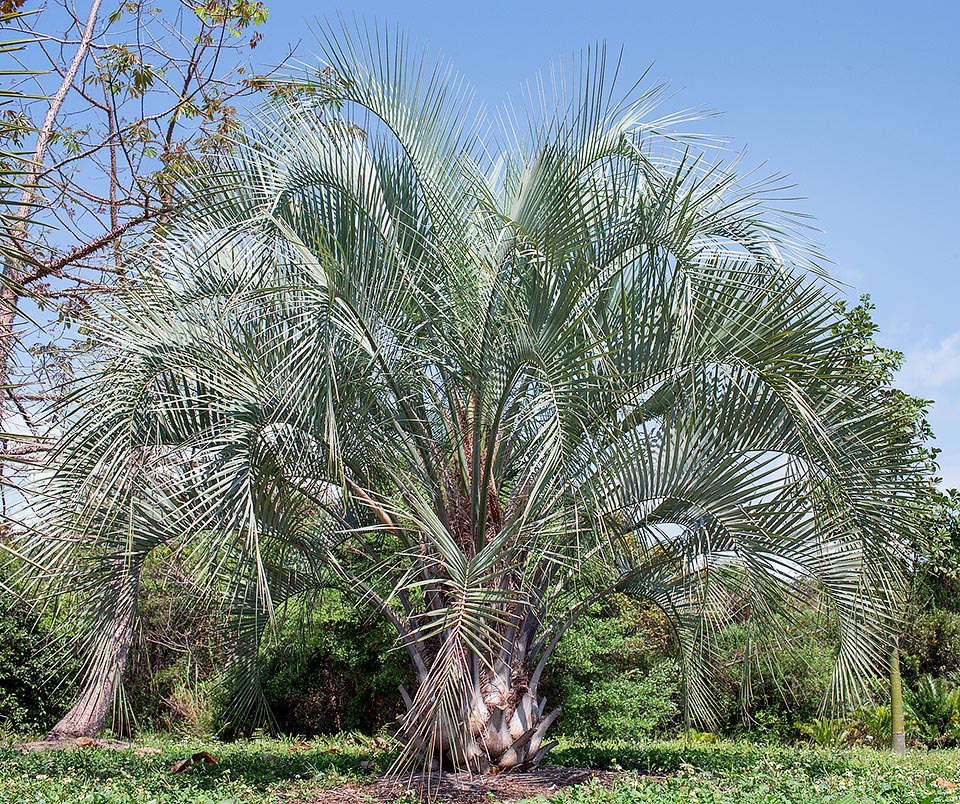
(45, 269)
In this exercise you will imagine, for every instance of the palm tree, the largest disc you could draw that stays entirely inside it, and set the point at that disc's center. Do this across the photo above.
(482, 371)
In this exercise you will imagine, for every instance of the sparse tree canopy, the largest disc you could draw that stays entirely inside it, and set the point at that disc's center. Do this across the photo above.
(103, 108)
(482, 371)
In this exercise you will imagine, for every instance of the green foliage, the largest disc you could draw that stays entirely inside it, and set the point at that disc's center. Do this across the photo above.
(935, 704)
(788, 680)
(931, 719)
(336, 670)
(931, 644)
(678, 772)
(642, 704)
(937, 581)
(30, 698)
(743, 773)
(612, 673)
(827, 732)
(877, 366)
(325, 667)
(178, 651)
(873, 725)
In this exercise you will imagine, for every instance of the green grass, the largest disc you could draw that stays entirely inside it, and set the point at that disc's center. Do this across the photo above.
(744, 773)
(246, 771)
(666, 773)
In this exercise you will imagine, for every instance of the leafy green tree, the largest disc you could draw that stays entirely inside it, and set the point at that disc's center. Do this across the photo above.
(931, 555)
(482, 373)
(937, 556)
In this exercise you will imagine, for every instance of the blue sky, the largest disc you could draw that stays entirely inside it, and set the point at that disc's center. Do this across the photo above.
(858, 103)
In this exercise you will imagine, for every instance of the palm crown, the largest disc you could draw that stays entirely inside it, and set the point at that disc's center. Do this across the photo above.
(482, 372)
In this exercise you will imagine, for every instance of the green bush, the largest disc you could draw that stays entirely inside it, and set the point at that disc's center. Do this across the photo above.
(931, 644)
(872, 725)
(827, 732)
(177, 653)
(336, 670)
(329, 670)
(634, 703)
(788, 682)
(31, 700)
(935, 705)
(613, 676)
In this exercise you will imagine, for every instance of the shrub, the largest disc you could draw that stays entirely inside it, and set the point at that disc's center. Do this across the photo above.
(788, 684)
(30, 699)
(872, 725)
(613, 676)
(935, 705)
(826, 732)
(330, 669)
(931, 644)
(338, 669)
(177, 652)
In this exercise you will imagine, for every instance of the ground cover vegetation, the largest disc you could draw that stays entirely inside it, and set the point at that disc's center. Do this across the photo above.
(482, 375)
(661, 772)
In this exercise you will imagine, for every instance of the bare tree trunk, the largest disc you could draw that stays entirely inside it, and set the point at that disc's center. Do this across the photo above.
(87, 716)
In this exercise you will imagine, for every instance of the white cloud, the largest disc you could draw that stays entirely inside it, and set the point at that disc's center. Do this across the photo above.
(934, 373)
(950, 475)
(931, 369)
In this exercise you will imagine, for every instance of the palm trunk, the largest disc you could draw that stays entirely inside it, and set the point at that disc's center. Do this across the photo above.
(471, 712)
(87, 716)
(898, 739)
(500, 728)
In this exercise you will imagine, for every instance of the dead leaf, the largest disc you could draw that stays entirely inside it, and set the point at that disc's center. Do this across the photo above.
(300, 746)
(181, 765)
(333, 751)
(147, 750)
(379, 742)
(944, 784)
(84, 742)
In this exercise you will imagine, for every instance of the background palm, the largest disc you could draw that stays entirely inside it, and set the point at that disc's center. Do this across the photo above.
(481, 373)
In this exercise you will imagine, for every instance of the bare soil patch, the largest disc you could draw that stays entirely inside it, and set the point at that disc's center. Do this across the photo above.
(62, 743)
(453, 788)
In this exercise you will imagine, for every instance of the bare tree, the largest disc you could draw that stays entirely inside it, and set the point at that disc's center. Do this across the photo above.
(122, 100)
(105, 108)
